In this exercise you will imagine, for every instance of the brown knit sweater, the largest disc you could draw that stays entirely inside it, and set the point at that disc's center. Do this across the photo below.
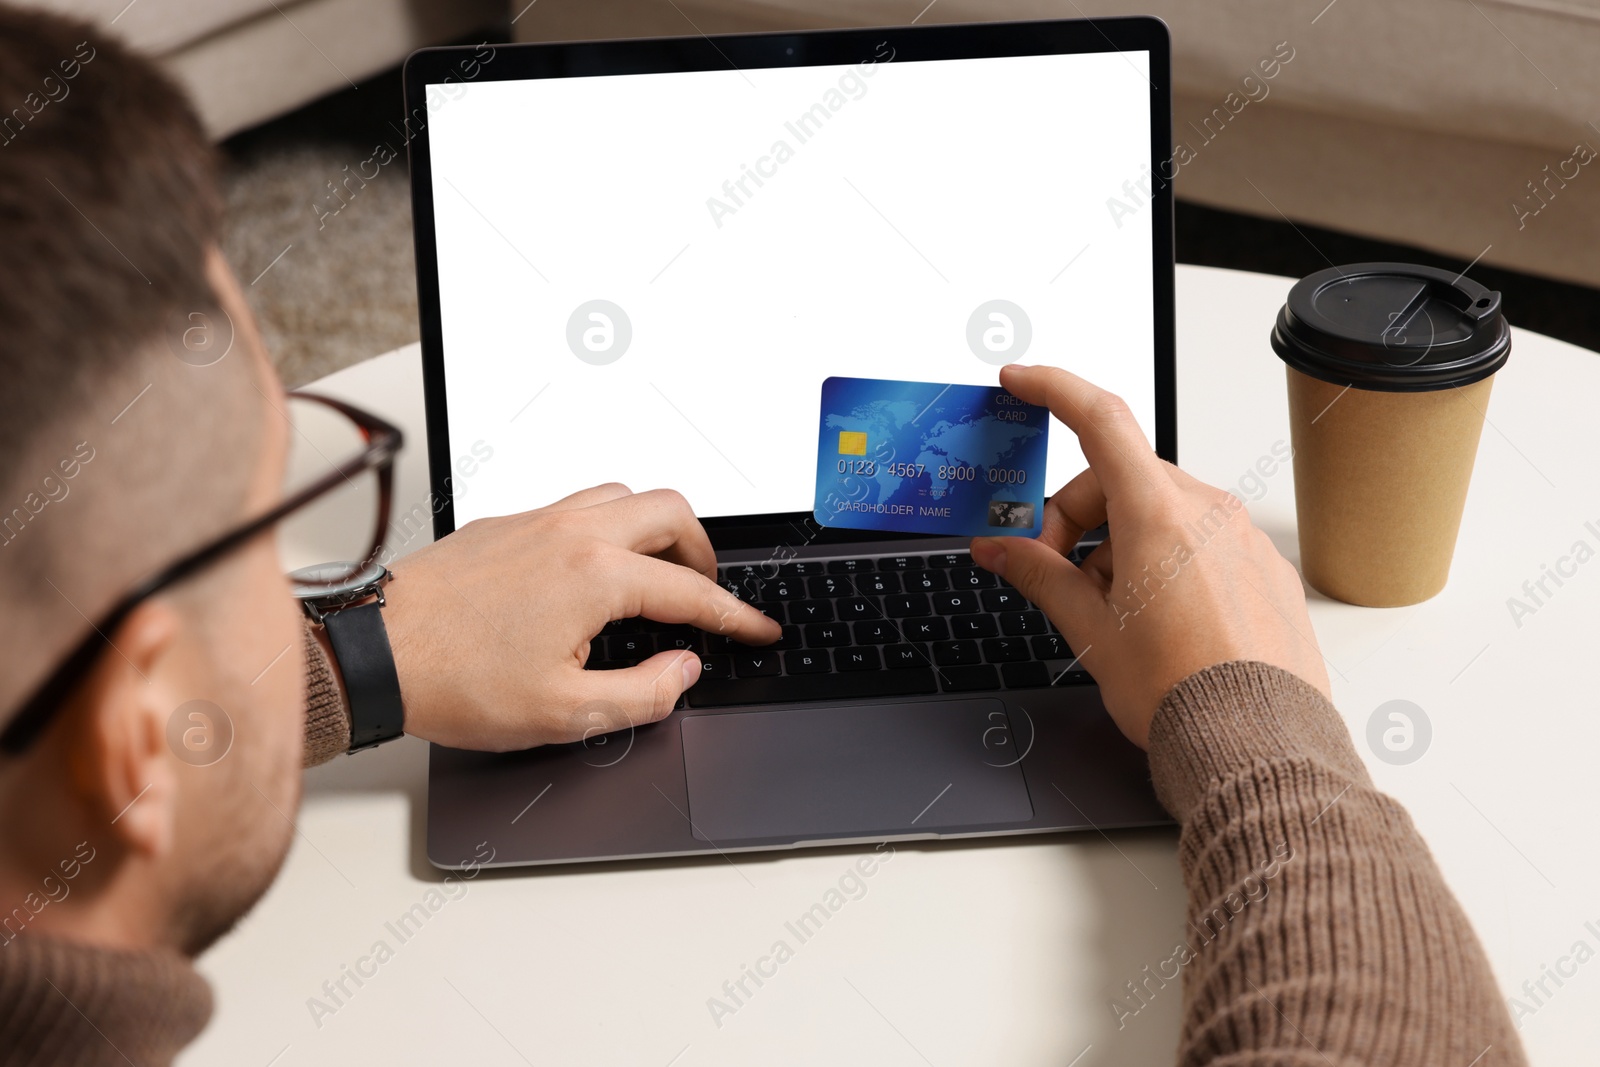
(1320, 932)
(1334, 940)
(327, 719)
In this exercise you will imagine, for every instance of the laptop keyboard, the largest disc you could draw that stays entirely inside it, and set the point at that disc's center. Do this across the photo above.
(866, 626)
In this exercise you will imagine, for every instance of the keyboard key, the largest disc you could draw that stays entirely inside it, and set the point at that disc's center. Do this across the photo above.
(877, 583)
(799, 568)
(971, 578)
(926, 582)
(878, 632)
(1005, 650)
(716, 667)
(1029, 675)
(605, 665)
(1003, 600)
(829, 585)
(932, 629)
(755, 664)
(622, 626)
(857, 659)
(807, 661)
(901, 563)
(810, 611)
(676, 638)
(1022, 623)
(957, 604)
(790, 639)
(780, 589)
(974, 626)
(1068, 674)
(827, 635)
(956, 653)
(749, 572)
(904, 655)
(725, 643)
(950, 559)
(853, 685)
(967, 679)
(906, 605)
(1050, 646)
(849, 566)
(630, 648)
(854, 608)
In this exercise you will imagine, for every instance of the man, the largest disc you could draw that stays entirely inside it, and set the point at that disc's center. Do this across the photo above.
(119, 860)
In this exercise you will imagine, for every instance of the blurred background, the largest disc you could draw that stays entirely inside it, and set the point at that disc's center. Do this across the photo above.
(1460, 133)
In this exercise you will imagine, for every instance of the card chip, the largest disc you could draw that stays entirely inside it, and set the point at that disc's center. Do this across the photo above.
(852, 443)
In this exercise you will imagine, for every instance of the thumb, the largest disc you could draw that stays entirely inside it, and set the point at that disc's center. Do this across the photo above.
(646, 692)
(1045, 577)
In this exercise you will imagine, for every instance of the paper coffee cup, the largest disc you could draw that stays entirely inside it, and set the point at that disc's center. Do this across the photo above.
(1389, 370)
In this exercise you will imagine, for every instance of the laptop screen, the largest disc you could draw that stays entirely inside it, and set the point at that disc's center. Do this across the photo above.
(646, 278)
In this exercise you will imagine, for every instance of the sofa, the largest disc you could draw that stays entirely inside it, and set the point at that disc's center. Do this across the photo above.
(246, 61)
(1468, 127)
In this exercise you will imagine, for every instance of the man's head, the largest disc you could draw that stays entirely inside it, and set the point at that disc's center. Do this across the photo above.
(138, 420)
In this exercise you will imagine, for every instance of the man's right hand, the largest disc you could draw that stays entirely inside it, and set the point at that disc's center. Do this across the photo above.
(1183, 581)
(493, 626)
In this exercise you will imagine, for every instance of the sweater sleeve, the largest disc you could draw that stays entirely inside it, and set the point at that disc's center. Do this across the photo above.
(1320, 932)
(327, 721)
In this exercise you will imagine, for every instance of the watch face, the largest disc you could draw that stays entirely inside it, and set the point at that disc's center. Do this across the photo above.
(311, 583)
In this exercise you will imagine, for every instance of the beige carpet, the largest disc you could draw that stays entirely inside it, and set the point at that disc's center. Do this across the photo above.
(332, 291)
(329, 295)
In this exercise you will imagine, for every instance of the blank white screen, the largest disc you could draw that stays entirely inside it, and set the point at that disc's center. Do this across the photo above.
(918, 192)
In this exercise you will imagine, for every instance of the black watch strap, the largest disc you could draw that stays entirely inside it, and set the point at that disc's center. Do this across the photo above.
(361, 645)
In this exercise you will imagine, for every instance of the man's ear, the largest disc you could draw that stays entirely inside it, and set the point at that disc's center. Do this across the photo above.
(115, 734)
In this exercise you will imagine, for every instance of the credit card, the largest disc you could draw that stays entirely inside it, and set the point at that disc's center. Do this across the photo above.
(925, 458)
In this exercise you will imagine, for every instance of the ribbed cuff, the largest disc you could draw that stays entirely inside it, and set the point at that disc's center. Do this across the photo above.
(1219, 722)
(327, 719)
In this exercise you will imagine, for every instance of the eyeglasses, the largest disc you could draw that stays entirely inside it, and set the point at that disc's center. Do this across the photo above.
(316, 480)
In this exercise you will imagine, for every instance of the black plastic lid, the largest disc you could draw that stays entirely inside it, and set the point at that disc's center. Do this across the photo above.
(1392, 327)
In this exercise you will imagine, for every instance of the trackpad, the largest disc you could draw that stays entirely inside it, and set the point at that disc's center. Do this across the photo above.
(831, 772)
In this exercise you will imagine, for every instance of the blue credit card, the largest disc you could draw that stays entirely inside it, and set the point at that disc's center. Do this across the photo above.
(920, 457)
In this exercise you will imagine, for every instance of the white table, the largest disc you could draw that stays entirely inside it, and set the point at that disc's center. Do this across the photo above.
(1005, 952)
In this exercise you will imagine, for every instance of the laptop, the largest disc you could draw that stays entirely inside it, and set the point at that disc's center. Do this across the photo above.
(639, 260)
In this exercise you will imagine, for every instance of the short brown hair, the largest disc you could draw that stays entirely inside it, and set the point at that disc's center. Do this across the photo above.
(109, 209)
(108, 201)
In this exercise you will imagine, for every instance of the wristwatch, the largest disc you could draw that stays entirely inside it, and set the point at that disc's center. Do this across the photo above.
(351, 613)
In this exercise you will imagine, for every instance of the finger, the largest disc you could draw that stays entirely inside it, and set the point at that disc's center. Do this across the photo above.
(1044, 577)
(583, 498)
(644, 693)
(669, 593)
(1112, 440)
(659, 522)
(1077, 507)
